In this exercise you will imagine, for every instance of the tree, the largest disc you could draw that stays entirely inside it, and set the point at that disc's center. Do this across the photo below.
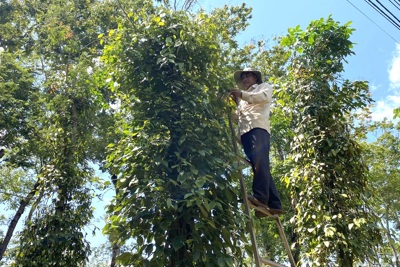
(18, 96)
(58, 51)
(383, 159)
(333, 218)
(177, 197)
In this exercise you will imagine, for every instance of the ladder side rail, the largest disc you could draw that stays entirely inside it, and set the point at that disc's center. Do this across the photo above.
(280, 229)
(271, 263)
(285, 242)
(245, 200)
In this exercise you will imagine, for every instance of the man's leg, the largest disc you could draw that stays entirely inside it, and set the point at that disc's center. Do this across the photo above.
(256, 145)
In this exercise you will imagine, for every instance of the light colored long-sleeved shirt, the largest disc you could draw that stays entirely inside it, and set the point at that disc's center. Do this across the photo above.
(254, 108)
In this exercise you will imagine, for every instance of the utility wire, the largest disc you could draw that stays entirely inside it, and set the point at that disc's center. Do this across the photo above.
(389, 12)
(396, 5)
(374, 6)
(397, 2)
(374, 22)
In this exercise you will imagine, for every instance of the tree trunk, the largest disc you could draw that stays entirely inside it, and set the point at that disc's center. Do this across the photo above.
(17, 216)
(114, 247)
(296, 252)
(389, 237)
(294, 236)
(178, 228)
(115, 253)
(345, 260)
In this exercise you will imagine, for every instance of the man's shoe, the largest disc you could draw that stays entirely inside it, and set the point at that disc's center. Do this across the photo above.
(260, 214)
(258, 203)
(276, 211)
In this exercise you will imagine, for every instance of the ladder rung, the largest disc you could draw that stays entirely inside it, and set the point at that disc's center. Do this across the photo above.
(244, 160)
(271, 263)
(263, 210)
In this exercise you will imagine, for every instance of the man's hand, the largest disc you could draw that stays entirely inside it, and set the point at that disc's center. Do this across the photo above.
(236, 93)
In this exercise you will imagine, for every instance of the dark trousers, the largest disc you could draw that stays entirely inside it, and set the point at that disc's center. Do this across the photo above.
(256, 145)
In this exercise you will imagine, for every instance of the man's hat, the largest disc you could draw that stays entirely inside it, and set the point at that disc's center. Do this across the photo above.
(238, 76)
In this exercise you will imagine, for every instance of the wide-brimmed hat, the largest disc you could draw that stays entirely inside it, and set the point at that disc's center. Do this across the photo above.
(238, 76)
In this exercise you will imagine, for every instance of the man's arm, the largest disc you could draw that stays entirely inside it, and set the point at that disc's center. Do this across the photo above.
(262, 95)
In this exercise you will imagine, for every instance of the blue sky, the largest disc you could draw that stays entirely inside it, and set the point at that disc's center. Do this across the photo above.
(377, 55)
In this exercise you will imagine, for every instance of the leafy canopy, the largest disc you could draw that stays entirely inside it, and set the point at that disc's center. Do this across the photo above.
(177, 197)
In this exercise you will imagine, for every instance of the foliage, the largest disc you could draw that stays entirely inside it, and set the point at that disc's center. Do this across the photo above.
(176, 198)
(16, 91)
(383, 157)
(13, 186)
(396, 112)
(158, 97)
(328, 181)
(100, 256)
(56, 46)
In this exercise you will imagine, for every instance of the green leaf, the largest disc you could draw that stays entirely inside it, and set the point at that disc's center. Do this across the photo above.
(196, 255)
(229, 262)
(169, 203)
(124, 257)
(329, 231)
(199, 183)
(203, 211)
(139, 240)
(193, 170)
(177, 242)
(221, 262)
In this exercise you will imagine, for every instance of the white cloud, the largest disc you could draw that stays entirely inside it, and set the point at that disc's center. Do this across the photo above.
(384, 108)
(394, 69)
(395, 99)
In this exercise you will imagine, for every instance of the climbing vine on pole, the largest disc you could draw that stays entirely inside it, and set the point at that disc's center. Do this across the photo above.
(329, 180)
(177, 200)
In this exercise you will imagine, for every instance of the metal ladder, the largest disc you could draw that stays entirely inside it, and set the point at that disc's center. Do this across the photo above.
(247, 204)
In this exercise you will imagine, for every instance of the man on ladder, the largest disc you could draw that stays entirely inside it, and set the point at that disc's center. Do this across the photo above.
(254, 100)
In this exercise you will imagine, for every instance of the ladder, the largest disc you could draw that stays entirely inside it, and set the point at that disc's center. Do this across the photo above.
(248, 204)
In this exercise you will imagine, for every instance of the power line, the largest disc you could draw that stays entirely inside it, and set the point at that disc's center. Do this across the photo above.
(396, 5)
(388, 10)
(377, 9)
(374, 22)
(385, 15)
